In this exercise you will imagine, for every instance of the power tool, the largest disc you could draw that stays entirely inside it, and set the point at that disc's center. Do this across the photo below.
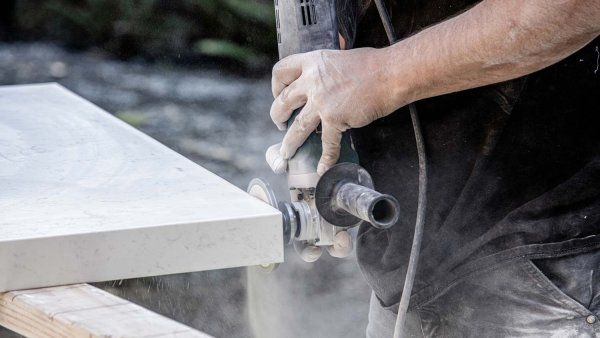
(321, 208)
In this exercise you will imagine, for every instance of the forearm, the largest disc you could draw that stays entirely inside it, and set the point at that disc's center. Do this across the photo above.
(495, 41)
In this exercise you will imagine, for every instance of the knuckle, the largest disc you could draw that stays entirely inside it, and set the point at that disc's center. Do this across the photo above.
(321, 54)
(303, 123)
(320, 71)
(313, 54)
(312, 73)
(331, 150)
(274, 112)
(331, 145)
(338, 122)
(274, 117)
(329, 157)
(327, 118)
(278, 117)
(330, 153)
(284, 95)
(277, 67)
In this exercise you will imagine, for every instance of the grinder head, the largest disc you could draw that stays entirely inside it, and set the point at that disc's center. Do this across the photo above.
(263, 191)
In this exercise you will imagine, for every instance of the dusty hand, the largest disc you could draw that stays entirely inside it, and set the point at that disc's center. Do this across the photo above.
(339, 89)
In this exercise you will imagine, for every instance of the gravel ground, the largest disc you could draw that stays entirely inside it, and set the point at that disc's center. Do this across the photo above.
(221, 122)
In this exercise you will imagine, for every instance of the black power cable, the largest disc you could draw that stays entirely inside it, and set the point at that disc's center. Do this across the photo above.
(415, 250)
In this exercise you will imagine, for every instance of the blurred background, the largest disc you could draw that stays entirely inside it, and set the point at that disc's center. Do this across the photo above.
(193, 74)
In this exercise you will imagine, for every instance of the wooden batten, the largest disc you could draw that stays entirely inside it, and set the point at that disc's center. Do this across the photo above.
(82, 310)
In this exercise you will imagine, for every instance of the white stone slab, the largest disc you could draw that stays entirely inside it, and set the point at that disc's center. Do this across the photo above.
(85, 197)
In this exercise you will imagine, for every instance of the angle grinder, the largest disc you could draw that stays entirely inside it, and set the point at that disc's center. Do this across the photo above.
(321, 208)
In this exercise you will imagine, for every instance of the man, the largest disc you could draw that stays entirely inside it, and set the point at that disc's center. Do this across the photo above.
(508, 95)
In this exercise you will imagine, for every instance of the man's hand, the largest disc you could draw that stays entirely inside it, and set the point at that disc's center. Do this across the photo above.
(339, 89)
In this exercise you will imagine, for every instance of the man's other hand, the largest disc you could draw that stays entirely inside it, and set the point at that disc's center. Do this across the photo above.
(339, 89)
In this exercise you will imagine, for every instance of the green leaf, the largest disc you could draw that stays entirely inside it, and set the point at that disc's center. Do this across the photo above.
(135, 119)
(224, 48)
(251, 9)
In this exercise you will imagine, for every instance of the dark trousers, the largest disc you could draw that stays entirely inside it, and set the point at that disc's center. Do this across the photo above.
(557, 297)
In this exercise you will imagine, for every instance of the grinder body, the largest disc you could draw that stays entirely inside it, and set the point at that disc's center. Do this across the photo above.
(304, 26)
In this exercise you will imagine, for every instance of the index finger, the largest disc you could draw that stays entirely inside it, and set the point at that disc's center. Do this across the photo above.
(331, 138)
(304, 124)
(286, 71)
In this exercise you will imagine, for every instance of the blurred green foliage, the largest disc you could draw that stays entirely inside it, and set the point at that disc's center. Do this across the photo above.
(242, 31)
(134, 118)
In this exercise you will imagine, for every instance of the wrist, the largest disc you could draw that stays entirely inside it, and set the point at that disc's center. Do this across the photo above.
(403, 74)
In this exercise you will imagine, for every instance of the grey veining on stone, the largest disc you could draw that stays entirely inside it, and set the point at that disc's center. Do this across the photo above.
(85, 197)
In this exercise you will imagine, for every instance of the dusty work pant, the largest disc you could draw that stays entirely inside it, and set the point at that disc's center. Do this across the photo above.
(510, 299)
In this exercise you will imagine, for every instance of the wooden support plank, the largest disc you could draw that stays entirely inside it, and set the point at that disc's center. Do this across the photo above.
(84, 197)
(82, 310)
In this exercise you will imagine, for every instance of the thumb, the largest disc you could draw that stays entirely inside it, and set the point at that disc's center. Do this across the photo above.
(331, 138)
(274, 159)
